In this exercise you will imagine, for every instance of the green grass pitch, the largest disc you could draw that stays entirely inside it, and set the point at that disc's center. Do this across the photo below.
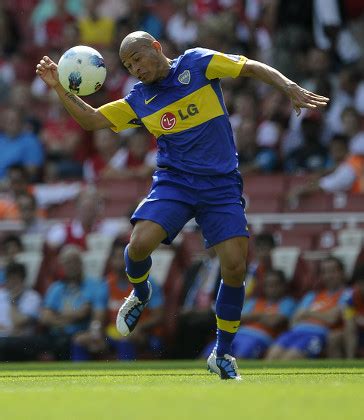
(182, 390)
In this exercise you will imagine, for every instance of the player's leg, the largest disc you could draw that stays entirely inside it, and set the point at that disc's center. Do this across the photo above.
(225, 228)
(145, 238)
(229, 303)
(155, 221)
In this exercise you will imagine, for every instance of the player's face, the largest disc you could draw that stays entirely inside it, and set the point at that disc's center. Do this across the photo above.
(142, 62)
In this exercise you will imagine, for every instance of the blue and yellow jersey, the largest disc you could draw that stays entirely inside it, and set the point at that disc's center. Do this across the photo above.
(185, 112)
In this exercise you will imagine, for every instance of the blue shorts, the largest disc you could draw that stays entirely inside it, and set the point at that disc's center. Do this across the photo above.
(214, 201)
(309, 343)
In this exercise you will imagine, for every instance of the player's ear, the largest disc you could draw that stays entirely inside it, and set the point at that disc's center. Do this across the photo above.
(157, 46)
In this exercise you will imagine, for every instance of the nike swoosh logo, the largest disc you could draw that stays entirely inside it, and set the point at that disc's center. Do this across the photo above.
(146, 101)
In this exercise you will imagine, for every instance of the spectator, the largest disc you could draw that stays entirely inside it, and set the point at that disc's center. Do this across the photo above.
(182, 27)
(70, 303)
(354, 316)
(147, 338)
(347, 176)
(11, 246)
(263, 318)
(260, 265)
(51, 32)
(19, 312)
(87, 219)
(141, 18)
(109, 159)
(352, 128)
(317, 315)
(196, 318)
(18, 146)
(96, 30)
(64, 142)
(311, 155)
(17, 183)
(28, 210)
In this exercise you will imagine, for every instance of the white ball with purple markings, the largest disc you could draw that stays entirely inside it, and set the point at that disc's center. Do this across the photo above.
(81, 70)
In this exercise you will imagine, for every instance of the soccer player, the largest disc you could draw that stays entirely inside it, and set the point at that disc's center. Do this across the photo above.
(180, 102)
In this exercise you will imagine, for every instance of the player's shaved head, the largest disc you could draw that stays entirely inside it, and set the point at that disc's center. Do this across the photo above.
(141, 54)
(136, 39)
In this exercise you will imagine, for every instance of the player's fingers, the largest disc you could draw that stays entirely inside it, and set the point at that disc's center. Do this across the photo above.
(318, 103)
(315, 96)
(306, 105)
(317, 99)
(48, 64)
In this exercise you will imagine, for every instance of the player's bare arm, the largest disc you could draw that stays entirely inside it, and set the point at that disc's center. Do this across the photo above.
(88, 117)
(300, 98)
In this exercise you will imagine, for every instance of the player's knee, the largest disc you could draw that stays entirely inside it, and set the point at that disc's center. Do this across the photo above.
(138, 249)
(234, 272)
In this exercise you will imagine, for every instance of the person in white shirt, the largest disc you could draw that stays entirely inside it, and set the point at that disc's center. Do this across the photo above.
(19, 312)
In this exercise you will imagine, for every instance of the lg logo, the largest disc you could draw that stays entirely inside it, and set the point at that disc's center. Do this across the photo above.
(169, 120)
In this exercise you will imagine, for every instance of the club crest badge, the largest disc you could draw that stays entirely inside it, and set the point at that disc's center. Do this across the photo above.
(185, 77)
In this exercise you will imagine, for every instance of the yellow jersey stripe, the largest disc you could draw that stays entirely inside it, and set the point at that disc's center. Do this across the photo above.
(139, 279)
(192, 110)
(119, 113)
(229, 326)
(223, 65)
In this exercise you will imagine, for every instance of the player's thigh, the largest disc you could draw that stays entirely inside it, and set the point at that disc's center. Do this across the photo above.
(145, 238)
(159, 221)
(222, 222)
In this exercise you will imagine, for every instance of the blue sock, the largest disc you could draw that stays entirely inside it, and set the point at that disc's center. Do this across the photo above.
(229, 304)
(138, 273)
(79, 353)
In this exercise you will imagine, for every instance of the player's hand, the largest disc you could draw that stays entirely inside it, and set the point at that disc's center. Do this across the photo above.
(302, 98)
(47, 71)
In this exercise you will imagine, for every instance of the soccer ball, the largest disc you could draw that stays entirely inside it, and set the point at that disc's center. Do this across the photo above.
(81, 70)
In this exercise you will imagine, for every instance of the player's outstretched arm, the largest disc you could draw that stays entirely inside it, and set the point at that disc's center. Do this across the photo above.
(88, 117)
(300, 98)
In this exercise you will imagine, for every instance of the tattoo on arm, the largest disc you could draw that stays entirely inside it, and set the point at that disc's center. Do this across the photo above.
(76, 100)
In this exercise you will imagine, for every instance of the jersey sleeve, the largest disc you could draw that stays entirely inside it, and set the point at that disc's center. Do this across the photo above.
(217, 65)
(120, 114)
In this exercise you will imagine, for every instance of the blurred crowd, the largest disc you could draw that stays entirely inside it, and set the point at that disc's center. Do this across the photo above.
(317, 43)
(46, 159)
(74, 318)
